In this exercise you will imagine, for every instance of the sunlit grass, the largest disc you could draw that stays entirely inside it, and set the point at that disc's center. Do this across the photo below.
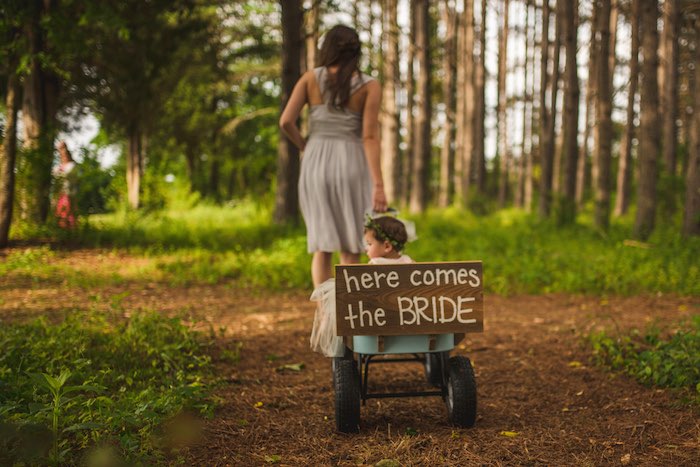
(240, 243)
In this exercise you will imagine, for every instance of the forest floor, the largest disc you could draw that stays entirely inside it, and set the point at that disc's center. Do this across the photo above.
(541, 399)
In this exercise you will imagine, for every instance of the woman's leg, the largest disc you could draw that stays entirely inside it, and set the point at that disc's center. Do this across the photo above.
(349, 258)
(321, 267)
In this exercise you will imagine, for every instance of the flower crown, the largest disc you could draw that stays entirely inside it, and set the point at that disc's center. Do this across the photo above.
(372, 224)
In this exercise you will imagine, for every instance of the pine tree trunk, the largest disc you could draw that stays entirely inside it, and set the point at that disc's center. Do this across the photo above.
(8, 157)
(390, 113)
(503, 152)
(525, 154)
(312, 23)
(469, 93)
(407, 156)
(529, 189)
(447, 159)
(422, 140)
(670, 83)
(691, 218)
(567, 208)
(134, 167)
(603, 135)
(545, 162)
(480, 107)
(39, 108)
(649, 143)
(287, 196)
(583, 161)
(624, 169)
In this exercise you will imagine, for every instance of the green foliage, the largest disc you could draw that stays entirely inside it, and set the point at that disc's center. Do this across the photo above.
(654, 358)
(96, 379)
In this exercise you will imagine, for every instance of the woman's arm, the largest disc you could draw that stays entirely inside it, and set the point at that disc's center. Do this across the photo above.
(370, 138)
(296, 102)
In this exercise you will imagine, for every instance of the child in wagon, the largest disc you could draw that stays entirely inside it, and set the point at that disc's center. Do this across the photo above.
(385, 237)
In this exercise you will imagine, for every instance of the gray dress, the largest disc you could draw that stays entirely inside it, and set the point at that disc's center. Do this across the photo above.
(334, 184)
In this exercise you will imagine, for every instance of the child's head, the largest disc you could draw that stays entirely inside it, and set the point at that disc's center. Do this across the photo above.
(384, 235)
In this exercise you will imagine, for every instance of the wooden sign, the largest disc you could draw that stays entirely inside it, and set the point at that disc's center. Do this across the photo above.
(416, 298)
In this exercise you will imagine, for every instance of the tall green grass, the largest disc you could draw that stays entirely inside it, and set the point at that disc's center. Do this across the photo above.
(97, 385)
(521, 254)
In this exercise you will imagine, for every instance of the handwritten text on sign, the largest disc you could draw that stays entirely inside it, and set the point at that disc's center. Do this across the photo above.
(417, 298)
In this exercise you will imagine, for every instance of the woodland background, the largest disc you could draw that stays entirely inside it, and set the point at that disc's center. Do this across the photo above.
(552, 108)
(557, 141)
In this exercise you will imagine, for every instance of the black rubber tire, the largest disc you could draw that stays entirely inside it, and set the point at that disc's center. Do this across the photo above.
(346, 383)
(461, 392)
(434, 367)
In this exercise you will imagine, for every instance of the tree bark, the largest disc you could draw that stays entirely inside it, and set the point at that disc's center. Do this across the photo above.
(567, 208)
(582, 172)
(545, 161)
(525, 143)
(670, 83)
(649, 143)
(528, 188)
(603, 133)
(134, 167)
(503, 152)
(422, 139)
(39, 109)
(447, 153)
(465, 104)
(624, 169)
(691, 218)
(407, 156)
(287, 196)
(8, 157)
(480, 106)
(390, 113)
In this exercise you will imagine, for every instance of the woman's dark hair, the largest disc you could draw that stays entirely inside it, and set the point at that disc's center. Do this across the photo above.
(390, 229)
(341, 46)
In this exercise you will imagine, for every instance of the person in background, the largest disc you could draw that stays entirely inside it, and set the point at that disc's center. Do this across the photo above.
(65, 180)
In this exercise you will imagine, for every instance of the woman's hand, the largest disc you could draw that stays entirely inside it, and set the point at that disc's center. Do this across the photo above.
(378, 199)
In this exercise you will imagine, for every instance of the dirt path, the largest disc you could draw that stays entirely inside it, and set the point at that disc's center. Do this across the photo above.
(534, 376)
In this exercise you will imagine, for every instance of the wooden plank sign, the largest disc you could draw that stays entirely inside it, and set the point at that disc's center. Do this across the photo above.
(416, 298)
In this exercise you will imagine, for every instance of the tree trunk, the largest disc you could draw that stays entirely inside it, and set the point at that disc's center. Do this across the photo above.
(8, 157)
(670, 83)
(648, 122)
(407, 157)
(583, 161)
(134, 167)
(287, 196)
(422, 147)
(39, 108)
(465, 131)
(525, 144)
(503, 152)
(567, 208)
(312, 23)
(390, 113)
(691, 218)
(545, 161)
(447, 153)
(624, 169)
(480, 106)
(528, 189)
(461, 101)
(603, 103)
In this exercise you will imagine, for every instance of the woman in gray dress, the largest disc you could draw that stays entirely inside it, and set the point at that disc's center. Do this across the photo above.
(341, 176)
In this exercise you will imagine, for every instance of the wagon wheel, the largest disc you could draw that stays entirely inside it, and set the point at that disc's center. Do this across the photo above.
(434, 365)
(461, 392)
(346, 382)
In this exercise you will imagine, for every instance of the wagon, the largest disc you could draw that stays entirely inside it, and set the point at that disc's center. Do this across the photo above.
(400, 318)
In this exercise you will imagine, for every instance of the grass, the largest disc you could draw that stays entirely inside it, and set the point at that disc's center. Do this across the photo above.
(207, 244)
(95, 385)
(663, 359)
